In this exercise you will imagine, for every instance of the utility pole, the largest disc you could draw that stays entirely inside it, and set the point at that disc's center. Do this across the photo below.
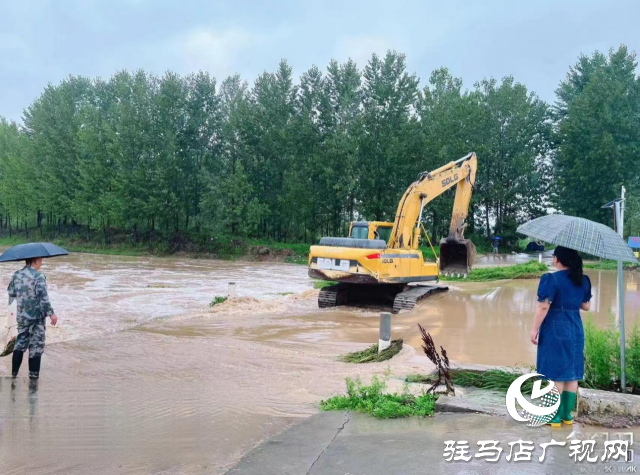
(618, 223)
(623, 378)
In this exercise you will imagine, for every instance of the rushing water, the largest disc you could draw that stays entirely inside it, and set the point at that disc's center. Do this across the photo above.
(93, 294)
(123, 391)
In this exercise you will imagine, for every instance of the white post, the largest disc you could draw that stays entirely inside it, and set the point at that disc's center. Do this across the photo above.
(384, 341)
(540, 258)
(232, 290)
(622, 207)
(618, 205)
(618, 217)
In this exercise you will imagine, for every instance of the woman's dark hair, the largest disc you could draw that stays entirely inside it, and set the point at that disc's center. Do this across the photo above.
(571, 259)
(29, 261)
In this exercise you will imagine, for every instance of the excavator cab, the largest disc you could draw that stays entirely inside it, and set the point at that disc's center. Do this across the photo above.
(371, 230)
(456, 256)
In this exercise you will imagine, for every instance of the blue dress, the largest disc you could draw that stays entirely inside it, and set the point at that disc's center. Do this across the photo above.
(561, 336)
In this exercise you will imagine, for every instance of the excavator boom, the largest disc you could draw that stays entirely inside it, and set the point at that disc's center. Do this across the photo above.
(456, 253)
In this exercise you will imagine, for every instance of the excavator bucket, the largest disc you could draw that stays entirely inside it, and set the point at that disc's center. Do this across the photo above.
(456, 256)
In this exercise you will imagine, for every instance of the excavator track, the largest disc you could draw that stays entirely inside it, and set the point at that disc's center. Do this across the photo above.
(409, 298)
(332, 296)
(398, 297)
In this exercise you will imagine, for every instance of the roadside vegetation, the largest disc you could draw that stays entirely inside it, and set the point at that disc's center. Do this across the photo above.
(495, 379)
(374, 401)
(602, 357)
(371, 355)
(217, 300)
(191, 245)
(529, 270)
(608, 265)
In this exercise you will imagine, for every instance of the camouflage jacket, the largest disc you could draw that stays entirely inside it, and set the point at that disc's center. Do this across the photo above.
(29, 286)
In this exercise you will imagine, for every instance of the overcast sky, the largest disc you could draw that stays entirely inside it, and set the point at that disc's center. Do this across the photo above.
(43, 41)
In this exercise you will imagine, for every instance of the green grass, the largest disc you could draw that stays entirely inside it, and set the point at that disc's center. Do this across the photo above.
(371, 355)
(373, 401)
(321, 284)
(608, 265)
(494, 379)
(189, 244)
(601, 356)
(529, 270)
(73, 246)
(218, 299)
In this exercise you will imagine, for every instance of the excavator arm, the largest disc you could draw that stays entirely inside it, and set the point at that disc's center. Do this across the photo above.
(456, 254)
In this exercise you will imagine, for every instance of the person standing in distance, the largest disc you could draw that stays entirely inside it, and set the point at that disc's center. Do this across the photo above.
(29, 287)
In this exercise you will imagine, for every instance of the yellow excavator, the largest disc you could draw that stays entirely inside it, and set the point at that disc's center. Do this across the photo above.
(379, 260)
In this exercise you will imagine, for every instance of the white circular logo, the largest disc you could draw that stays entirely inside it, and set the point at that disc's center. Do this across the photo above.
(536, 414)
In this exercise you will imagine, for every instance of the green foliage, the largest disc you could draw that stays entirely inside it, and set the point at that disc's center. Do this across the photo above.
(321, 284)
(607, 265)
(529, 270)
(601, 356)
(482, 243)
(494, 379)
(632, 357)
(291, 159)
(372, 400)
(218, 299)
(284, 160)
(598, 135)
(371, 355)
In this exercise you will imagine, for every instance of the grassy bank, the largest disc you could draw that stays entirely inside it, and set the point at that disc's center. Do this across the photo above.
(608, 265)
(530, 270)
(372, 400)
(192, 246)
(602, 358)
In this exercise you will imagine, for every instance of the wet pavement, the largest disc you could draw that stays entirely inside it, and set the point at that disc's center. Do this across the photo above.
(337, 443)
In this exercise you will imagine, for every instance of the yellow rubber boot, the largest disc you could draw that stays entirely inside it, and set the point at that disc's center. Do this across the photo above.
(557, 421)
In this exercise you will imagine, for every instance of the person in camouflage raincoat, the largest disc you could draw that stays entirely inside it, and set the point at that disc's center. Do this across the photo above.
(29, 287)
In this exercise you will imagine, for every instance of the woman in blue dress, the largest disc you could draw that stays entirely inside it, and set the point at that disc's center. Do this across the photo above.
(557, 328)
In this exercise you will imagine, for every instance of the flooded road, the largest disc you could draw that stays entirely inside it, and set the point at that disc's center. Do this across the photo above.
(93, 294)
(123, 391)
(482, 323)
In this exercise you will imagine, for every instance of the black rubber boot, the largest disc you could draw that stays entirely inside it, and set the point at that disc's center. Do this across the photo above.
(16, 362)
(34, 367)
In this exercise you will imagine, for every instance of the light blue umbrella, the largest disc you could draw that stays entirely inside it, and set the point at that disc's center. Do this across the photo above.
(580, 234)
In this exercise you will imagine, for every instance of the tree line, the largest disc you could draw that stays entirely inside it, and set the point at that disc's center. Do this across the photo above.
(294, 160)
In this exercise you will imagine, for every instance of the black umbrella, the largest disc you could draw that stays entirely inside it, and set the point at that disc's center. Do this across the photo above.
(32, 250)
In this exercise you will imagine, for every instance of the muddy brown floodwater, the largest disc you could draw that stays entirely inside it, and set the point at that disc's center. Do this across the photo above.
(143, 377)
